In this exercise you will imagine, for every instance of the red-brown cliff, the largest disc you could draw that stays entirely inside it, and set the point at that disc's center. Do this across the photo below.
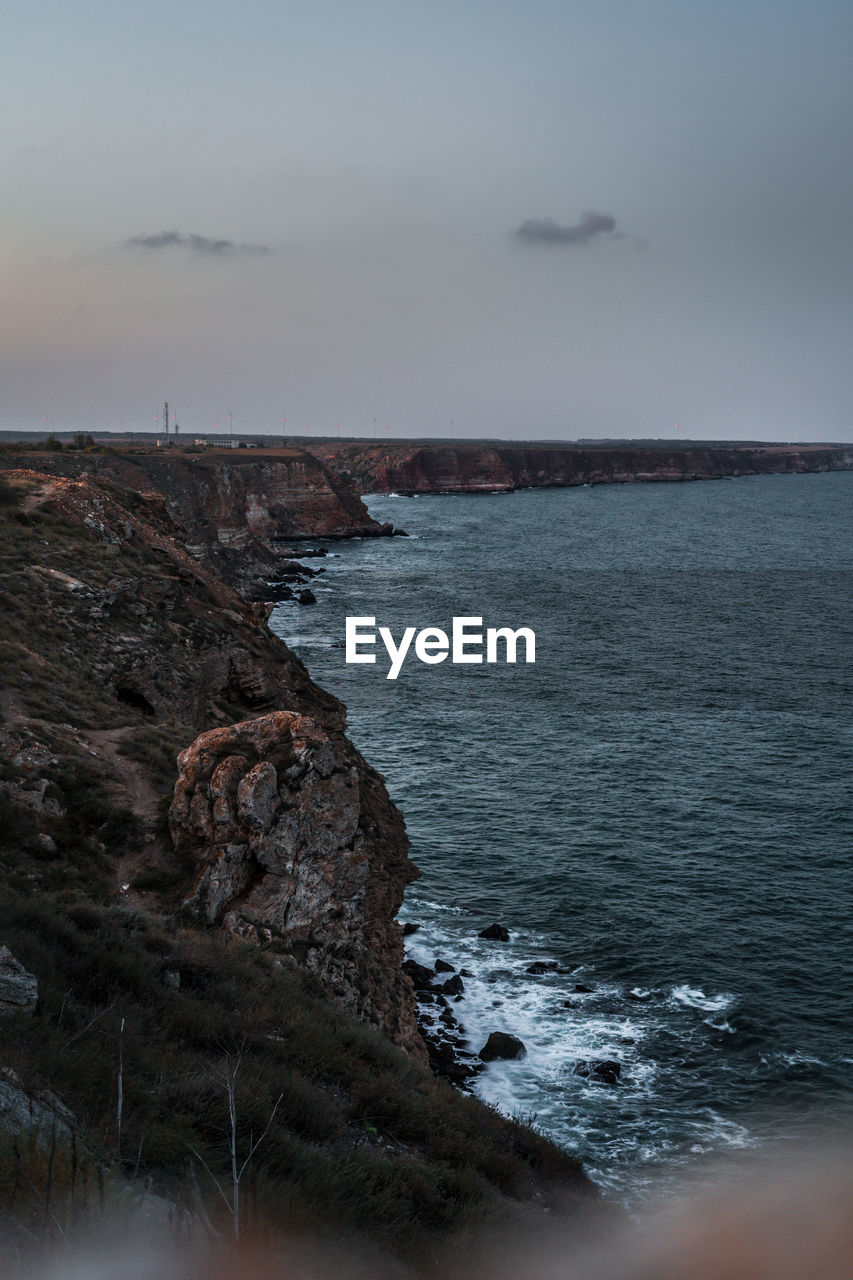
(239, 511)
(473, 468)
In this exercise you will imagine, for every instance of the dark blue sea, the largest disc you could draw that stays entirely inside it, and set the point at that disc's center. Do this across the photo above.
(661, 803)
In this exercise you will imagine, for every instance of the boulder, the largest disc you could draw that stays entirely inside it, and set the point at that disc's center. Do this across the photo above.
(441, 966)
(39, 1113)
(419, 973)
(542, 966)
(604, 1071)
(495, 933)
(502, 1045)
(306, 596)
(19, 989)
(453, 986)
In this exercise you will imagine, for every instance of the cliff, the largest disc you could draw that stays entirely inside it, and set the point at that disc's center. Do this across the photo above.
(164, 635)
(239, 511)
(201, 875)
(473, 468)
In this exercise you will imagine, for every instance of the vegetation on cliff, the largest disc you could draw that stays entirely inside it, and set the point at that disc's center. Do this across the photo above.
(119, 648)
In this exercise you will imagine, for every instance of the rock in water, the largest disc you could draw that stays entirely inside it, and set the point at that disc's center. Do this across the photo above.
(495, 933)
(420, 975)
(501, 1045)
(18, 989)
(453, 986)
(604, 1072)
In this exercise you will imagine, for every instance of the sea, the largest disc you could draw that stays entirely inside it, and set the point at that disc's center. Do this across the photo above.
(659, 806)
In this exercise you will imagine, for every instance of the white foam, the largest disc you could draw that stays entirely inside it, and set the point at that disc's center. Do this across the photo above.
(619, 1131)
(718, 1130)
(500, 995)
(696, 998)
(442, 907)
(800, 1059)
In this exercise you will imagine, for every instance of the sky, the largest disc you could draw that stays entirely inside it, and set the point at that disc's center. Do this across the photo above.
(549, 220)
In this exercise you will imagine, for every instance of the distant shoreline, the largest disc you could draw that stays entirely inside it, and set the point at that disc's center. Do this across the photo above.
(500, 468)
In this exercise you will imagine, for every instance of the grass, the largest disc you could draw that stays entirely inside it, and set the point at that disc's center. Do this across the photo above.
(157, 747)
(362, 1135)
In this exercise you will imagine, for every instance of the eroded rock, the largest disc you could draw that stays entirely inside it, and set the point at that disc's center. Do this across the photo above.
(274, 817)
(19, 989)
(23, 1112)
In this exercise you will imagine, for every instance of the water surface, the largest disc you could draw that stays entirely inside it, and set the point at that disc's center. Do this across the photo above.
(661, 803)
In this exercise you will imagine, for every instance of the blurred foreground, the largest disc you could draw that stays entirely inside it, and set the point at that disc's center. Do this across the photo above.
(793, 1224)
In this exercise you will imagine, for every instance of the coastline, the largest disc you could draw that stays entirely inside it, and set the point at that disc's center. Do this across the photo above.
(127, 645)
(719, 579)
(404, 468)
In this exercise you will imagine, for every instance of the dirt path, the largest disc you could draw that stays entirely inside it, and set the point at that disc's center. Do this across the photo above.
(36, 497)
(137, 793)
(140, 796)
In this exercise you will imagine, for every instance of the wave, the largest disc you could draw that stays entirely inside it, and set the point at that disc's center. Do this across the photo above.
(695, 998)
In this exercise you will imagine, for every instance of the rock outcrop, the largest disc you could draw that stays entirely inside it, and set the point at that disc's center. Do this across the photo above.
(273, 815)
(18, 989)
(155, 635)
(500, 467)
(24, 1112)
(239, 513)
(162, 631)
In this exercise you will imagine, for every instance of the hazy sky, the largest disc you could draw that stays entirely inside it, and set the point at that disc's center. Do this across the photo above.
(555, 219)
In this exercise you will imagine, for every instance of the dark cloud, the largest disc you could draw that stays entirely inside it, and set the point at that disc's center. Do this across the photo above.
(195, 243)
(159, 241)
(202, 244)
(547, 231)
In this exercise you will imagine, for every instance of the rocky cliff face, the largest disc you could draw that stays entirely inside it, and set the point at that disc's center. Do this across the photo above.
(287, 853)
(229, 498)
(152, 626)
(400, 468)
(118, 633)
(242, 935)
(239, 511)
(477, 468)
